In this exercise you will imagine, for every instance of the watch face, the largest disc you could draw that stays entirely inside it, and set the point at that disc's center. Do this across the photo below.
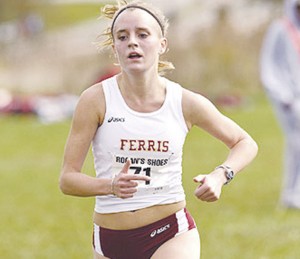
(230, 174)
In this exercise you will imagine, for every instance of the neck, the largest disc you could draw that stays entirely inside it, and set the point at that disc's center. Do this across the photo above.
(141, 85)
(142, 93)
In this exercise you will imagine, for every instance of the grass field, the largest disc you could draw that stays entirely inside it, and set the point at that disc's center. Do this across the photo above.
(37, 221)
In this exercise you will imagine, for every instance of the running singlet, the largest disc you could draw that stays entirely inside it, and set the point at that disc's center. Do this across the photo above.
(152, 141)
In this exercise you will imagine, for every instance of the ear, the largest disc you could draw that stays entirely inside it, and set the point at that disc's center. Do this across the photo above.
(163, 46)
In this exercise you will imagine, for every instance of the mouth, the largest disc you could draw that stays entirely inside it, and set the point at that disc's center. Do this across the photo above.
(134, 55)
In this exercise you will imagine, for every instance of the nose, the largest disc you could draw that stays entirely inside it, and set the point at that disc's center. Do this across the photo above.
(132, 41)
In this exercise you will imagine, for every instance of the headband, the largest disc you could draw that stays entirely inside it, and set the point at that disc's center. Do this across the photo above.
(138, 7)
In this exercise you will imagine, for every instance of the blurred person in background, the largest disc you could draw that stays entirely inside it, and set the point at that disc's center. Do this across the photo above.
(137, 122)
(280, 75)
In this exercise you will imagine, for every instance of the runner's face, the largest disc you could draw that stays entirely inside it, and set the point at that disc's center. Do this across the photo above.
(137, 40)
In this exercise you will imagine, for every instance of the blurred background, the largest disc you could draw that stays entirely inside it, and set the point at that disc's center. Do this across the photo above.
(214, 45)
(48, 56)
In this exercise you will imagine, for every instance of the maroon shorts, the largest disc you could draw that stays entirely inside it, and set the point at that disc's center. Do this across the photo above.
(141, 242)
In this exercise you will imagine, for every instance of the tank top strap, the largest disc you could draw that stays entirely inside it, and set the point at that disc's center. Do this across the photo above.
(109, 88)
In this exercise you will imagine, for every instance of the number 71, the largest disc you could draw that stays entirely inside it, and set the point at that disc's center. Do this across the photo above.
(138, 170)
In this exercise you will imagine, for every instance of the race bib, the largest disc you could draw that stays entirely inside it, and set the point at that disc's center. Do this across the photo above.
(154, 168)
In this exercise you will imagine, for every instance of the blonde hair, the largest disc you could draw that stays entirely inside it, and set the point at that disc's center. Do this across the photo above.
(113, 11)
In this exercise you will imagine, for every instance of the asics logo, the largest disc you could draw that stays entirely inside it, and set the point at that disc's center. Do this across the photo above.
(159, 230)
(115, 119)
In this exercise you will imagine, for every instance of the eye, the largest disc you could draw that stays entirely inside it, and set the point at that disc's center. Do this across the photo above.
(143, 35)
(122, 37)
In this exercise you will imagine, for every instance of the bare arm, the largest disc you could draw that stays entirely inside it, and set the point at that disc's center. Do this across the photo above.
(88, 117)
(200, 112)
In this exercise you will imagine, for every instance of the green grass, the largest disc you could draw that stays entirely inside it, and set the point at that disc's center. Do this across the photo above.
(37, 221)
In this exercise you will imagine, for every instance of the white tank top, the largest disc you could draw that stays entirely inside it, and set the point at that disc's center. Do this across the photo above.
(152, 141)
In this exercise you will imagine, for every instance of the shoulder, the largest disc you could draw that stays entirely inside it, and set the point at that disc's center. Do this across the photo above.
(192, 99)
(197, 109)
(92, 95)
(92, 102)
(94, 92)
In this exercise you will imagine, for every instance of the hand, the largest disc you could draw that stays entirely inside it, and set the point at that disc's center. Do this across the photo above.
(210, 187)
(124, 185)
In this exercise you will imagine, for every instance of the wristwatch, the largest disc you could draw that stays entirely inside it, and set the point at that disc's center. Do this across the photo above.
(229, 174)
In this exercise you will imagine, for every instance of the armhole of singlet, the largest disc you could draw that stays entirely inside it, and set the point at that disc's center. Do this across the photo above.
(180, 108)
(177, 95)
(106, 86)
